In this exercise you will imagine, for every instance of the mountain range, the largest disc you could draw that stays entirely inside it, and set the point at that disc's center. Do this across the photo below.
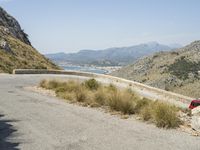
(118, 56)
(16, 50)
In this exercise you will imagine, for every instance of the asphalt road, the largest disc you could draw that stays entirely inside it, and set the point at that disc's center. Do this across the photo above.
(31, 121)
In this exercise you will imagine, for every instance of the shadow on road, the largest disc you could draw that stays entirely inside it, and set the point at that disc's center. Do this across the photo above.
(6, 131)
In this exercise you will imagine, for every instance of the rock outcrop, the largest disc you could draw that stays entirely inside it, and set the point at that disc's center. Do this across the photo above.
(16, 50)
(195, 122)
(5, 46)
(10, 26)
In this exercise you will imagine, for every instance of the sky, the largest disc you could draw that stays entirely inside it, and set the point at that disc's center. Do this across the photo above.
(72, 25)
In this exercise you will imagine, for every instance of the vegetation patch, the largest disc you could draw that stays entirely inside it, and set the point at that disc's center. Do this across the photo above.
(23, 56)
(92, 93)
(165, 115)
(91, 84)
(182, 67)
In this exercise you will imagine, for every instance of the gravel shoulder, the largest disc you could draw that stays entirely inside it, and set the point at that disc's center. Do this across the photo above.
(45, 122)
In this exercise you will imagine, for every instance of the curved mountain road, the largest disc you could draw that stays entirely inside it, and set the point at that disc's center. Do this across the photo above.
(31, 121)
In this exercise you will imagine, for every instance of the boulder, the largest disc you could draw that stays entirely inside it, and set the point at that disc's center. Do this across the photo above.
(5, 46)
(195, 123)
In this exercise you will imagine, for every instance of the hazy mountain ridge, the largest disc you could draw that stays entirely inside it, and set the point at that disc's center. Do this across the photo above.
(110, 56)
(175, 71)
(16, 50)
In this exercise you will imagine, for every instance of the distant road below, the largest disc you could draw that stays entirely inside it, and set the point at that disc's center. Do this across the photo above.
(41, 122)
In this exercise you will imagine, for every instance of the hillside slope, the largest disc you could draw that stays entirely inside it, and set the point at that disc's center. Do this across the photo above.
(175, 71)
(16, 50)
(109, 57)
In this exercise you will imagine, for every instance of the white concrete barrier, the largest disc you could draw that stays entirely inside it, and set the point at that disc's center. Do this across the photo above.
(158, 94)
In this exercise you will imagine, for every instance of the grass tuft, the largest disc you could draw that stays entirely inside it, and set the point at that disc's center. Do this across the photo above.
(122, 101)
(81, 94)
(141, 103)
(100, 96)
(146, 113)
(165, 115)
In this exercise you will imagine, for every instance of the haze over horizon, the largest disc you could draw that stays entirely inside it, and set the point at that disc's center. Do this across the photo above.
(72, 25)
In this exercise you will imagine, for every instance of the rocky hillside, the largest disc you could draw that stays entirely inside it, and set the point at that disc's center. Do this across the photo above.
(175, 71)
(16, 50)
(109, 57)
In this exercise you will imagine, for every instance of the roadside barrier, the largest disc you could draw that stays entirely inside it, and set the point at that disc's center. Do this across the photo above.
(171, 97)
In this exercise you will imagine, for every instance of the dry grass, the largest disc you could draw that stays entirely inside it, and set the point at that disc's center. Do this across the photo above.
(100, 97)
(146, 113)
(23, 56)
(81, 94)
(165, 115)
(162, 114)
(125, 101)
(122, 101)
(141, 103)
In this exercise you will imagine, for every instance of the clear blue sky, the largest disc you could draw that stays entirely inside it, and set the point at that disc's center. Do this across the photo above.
(72, 25)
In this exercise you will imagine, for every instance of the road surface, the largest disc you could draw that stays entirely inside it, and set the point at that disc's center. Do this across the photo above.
(31, 121)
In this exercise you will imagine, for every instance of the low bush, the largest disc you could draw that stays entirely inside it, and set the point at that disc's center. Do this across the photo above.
(100, 96)
(66, 95)
(165, 115)
(141, 103)
(162, 114)
(92, 84)
(53, 84)
(81, 94)
(146, 113)
(122, 101)
(68, 86)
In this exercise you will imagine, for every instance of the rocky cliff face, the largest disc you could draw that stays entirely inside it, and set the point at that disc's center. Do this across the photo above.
(176, 71)
(16, 50)
(10, 26)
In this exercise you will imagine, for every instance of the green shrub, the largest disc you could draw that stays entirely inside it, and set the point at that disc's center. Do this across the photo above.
(91, 84)
(182, 67)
